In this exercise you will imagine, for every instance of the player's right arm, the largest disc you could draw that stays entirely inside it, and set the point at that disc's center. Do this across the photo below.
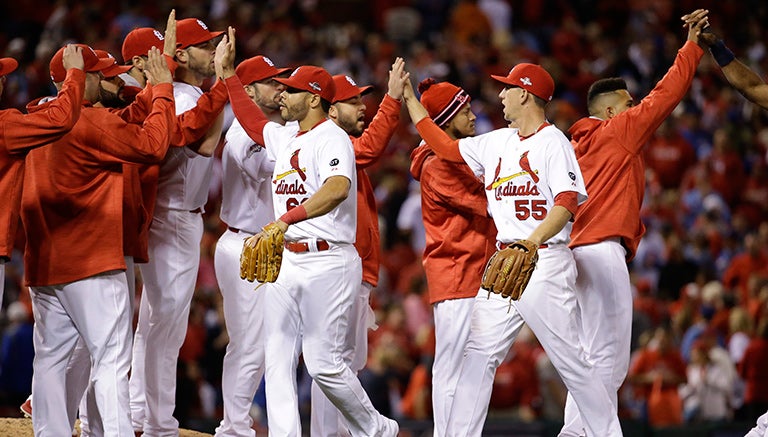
(22, 132)
(439, 141)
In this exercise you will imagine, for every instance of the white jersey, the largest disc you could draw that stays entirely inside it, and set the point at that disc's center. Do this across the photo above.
(523, 177)
(246, 193)
(184, 174)
(303, 161)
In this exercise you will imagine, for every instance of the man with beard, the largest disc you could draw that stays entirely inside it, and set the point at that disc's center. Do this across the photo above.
(348, 112)
(321, 270)
(246, 207)
(174, 242)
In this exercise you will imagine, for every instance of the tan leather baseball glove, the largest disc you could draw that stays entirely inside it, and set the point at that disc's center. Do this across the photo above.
(262, 263)
(509, 270)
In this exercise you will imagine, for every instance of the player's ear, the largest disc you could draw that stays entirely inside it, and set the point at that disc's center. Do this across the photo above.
(333, 113)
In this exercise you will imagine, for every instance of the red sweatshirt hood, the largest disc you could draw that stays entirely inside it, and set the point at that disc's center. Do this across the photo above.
(582, 128)
(418, 157)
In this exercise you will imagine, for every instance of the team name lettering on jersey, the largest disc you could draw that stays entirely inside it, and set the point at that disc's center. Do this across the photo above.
(294, 188)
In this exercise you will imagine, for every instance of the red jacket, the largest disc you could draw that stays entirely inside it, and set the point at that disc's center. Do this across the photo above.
(72, 201)
(610, 158)
(23, 132)
(460, 234)
(368, 149)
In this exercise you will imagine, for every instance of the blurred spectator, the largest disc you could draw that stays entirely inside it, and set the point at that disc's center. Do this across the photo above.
(707, 393)
(16, 355)
(755, 373)
(669, 155)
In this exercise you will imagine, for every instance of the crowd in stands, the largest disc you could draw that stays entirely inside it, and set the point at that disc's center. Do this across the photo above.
(700, 277)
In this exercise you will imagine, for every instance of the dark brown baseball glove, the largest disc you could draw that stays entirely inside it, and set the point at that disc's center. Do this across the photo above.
(509, 270)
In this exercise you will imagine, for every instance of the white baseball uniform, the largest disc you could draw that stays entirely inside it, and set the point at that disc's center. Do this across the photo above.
(246, 207)
(522, 179)
(169, 280)
(313, 295)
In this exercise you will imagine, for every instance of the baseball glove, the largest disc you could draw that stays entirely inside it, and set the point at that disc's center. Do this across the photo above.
(509, 269)
(262, 262)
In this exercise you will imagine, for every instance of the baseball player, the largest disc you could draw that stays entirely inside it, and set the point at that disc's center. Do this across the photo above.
(533, 186)
(607, 227)
(246, 207)
(174, 237)
(23, 132)
(460, 237)
(74, 265)
(321, 270)
(348, 112)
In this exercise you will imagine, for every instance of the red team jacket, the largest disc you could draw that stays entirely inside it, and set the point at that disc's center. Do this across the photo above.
(23, 132)
(609, 153)
(368, 149)
(460, 234)
(73, 191)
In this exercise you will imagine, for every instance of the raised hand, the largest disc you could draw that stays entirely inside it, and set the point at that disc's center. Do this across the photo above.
(169, 46)
(156, 68)
(73, 57)
(695, 21)
(397, 79)
(224, 58)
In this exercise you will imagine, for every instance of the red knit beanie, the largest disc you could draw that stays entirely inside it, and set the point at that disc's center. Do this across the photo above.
(442, 100)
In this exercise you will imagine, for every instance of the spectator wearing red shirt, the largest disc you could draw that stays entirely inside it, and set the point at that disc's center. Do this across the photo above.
(669, 155)
(754, 372)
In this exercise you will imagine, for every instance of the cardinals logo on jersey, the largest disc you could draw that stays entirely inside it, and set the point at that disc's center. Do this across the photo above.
(295, 165)
(526, 166)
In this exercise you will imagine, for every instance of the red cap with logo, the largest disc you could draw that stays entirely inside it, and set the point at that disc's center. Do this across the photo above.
(442, 100)
(346, 88)
(8, 66)
(91, 60)
(257, 68)
(312, 79)
(139, 41)
(532, 78)
(191, 31)
(113, 70)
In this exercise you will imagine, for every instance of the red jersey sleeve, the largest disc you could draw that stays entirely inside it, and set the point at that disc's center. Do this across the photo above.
(248, 113)
(22, 132)
(191, 125)
(373, 141)
(439, 141)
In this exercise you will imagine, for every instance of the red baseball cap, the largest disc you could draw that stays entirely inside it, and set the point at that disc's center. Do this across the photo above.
(531, 77)
(191, 31)
(113, 70)
(346, 88)
(257, 68)
(8, 66)
(91, 60)
(139, 41)
(442, 100)
(312, 79)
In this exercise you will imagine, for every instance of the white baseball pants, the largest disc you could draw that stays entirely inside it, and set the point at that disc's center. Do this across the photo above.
(243, 315)
(325, 418)
(604, 299)
(548, 306)
(96, 309)
(78, 368)
(453, 319)
(169, 282)
(313, 296)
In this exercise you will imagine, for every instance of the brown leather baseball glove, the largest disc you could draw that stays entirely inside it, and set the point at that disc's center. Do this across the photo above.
(509, 270)
(263, 262)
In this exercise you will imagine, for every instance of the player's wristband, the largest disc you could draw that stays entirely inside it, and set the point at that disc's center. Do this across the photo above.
(722, 54)
(297, 214)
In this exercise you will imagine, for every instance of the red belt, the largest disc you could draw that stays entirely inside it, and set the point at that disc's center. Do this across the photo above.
(196, 211)
(500, 245)
(302, 246)
(235, 230)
